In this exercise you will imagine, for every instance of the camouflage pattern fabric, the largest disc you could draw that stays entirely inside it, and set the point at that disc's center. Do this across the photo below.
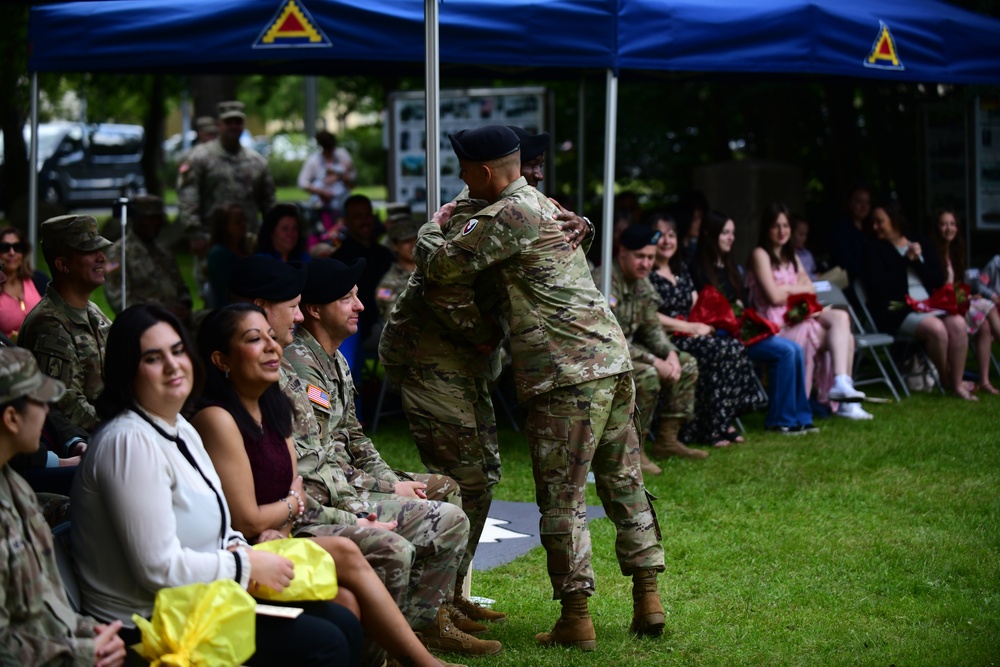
(572, 431)
(153, 275)
(389, 288)
(418, 561)
(561, 329)
(215, 177)
(427, 349)
(635, 305)
(38, 626)
(69, 346)
(571, 365)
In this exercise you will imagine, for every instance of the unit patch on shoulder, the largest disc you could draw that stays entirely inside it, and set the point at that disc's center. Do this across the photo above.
(469, 226)
(318, 396)
(292, 27)
(883, 54)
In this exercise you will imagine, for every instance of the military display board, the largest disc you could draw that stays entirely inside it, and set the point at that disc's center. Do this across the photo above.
(460, 110)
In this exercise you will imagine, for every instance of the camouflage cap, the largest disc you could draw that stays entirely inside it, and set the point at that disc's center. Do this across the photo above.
(147, 206)
(76, 231)
(19, 376)
(403, 229)
(205, 124)
(231, 109)
(397, 208)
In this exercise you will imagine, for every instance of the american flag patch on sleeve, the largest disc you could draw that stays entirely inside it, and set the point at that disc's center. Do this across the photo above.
(384, 293)
(318, 396)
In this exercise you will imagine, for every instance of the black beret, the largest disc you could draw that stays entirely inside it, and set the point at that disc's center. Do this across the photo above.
(483, 144)
(330, 279)
(532, 145)
(637, 237)
(263, 277)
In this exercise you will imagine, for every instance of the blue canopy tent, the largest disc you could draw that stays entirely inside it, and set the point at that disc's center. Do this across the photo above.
(903, 40)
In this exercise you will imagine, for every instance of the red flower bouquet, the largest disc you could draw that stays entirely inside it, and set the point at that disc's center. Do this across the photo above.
(713, 309)
(754, 327)
(952, 298)
(801, 307)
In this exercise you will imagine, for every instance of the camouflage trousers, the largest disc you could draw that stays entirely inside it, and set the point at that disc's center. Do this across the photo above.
(654, 398)
(418, 561)
(452, 421)
(571, 431)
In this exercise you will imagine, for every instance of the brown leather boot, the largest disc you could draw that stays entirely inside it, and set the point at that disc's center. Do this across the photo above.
(478, 612)
(463, 622)
(574, 627)
(646, 464)
(667, 444)
(442, 636)
(647, 610)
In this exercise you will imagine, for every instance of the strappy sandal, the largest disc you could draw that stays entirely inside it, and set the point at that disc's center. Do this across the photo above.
(734, 436)
(988, 388)
(964, 394)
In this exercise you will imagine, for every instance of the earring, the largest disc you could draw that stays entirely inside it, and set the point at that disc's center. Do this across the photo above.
(227, 373)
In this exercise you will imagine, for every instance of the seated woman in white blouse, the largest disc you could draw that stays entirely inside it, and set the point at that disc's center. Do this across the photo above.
(148, 510)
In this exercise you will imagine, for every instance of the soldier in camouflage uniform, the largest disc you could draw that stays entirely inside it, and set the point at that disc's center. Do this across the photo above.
(37, 624)
(413, 544)
(153, 275)
(223, 172)
(66, 331)
(665, 377)
(571, 366)
(402, 235)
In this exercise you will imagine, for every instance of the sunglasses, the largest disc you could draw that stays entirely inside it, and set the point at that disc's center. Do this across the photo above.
(5, 247)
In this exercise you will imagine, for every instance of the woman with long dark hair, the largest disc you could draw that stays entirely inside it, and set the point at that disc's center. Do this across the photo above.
(726, 385)
(246, 422)
(788, 409)
(898, 263)
(148, 511)
(281, 234)
(983, 317)
(775, 273)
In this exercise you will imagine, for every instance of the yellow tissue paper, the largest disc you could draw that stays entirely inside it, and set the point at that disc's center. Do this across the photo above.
(199, 625)
(315, 571)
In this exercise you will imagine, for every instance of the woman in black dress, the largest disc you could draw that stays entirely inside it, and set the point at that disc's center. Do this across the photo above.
(726, 383)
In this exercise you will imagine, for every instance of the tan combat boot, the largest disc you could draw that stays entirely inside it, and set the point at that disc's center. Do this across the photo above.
(667, 444)
(441, 636)
(574, 627)
(463, 622)
(646, 464)
(647, 610)
(477, 612)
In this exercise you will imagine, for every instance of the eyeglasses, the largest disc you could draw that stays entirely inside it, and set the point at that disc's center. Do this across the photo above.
(5, 247)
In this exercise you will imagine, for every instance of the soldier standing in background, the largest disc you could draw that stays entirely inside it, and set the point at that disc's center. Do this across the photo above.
(402, 235)
(152, 272)
(223, 171)
(571, 367)
(66, 331)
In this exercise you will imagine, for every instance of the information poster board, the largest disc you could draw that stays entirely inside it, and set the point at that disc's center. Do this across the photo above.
(946, 159)
(987, 162)
(460, 110)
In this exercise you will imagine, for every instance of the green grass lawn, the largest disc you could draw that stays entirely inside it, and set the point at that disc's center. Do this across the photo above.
(871, 543)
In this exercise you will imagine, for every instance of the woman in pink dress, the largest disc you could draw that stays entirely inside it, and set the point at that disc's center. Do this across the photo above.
(827, 343)
(19, 294)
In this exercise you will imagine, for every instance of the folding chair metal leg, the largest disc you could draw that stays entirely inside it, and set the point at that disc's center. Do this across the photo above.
(378, 404)
(899, 376)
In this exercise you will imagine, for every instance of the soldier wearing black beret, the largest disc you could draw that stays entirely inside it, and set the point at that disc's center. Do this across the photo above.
(273, 285)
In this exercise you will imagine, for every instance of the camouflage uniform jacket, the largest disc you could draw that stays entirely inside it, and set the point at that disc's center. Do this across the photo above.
(562, 332)
(69, 346)
(215, 177)
(330, 498)
(437, 326)
(37, 624)
(331, 392)
(635, 305)
(389, 288)
(153, 275)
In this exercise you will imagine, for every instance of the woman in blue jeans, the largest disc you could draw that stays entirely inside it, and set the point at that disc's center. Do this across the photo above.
(788, 408)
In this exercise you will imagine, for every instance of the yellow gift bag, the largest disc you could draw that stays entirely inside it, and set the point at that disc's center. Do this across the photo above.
(315, 571)
(199, 625)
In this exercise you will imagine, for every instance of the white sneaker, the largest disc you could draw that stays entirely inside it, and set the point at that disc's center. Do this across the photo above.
(843, 390)
(853, 411)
